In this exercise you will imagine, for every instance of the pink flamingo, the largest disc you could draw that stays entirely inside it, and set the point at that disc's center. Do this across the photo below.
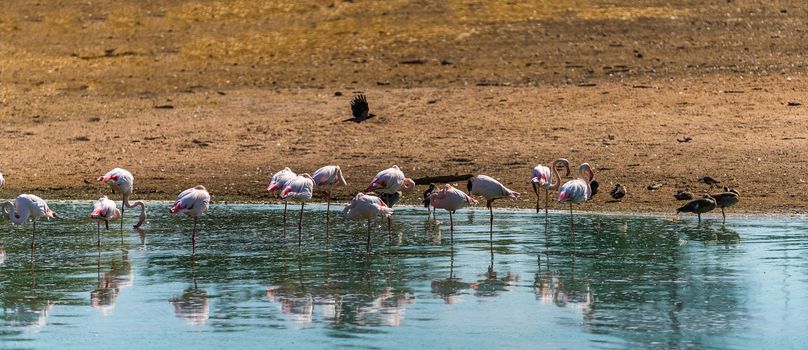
(367, 207)
(543, 177)
(390, 181)
(300, 188)
(27, 206)
(325, 179)
(492, 190)
(193, 202)
(104, 210)
(451, 199)
(277, 183)
(577, 190)
(122, 181)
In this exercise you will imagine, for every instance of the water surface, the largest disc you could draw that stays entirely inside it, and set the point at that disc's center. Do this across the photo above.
(623, 282)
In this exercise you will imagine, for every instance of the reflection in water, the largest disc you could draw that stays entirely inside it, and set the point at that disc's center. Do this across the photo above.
(2, 255)
(491, 285)
(31, 318)
(110, 282)
(452, 287)
(636, 283)
(192, 305)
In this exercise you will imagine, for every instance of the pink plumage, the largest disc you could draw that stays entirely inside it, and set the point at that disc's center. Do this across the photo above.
(366, 207)
(105, 210)
(577, 190)
(451, 199)
(491, 189)
(300, 188)
(391, 180)
(193, 202)
(327, 177)
(280, 179)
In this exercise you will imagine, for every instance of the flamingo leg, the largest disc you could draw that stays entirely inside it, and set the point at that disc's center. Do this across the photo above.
(546, 204)
(723, 215)
(699, 214)
(389, 229)
(328, 212)
(193, 239)
(123, 207)
(538, 198)
(98, 243)
(33, 242)
(451, 228)
(285, 205)
(572, 225)
(368, 243)
(490, 221)
(300, 224)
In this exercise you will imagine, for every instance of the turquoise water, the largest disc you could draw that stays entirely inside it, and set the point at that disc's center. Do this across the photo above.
(625, 282)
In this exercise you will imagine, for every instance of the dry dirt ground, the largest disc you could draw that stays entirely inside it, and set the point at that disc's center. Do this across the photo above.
(225, 93)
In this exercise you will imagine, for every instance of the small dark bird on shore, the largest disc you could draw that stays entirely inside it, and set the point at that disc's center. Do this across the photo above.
(683, 195)
(426, 195)
(709, 180)
(618, 192)
(594, 186)
(726, 199)
(360, 110)
(698, 206)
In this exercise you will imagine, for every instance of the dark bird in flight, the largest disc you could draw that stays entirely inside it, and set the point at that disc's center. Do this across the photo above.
(618, 192)
(709, 180)
(360, 110)
(698, 206)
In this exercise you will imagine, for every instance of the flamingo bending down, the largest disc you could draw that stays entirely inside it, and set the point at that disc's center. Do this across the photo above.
(543, 177)
(451, 199)
(366, 207)
(577, 191)
(492, 190)
(277, 183)
(122, 181)
(325, 179)
(193, 202)
(300, 188)
(104, 210)
(27, 206)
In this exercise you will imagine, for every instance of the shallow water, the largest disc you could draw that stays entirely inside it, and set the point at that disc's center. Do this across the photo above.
(624, 282)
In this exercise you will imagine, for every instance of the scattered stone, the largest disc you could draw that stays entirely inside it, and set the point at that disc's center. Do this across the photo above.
(793, 103)
(654, 186)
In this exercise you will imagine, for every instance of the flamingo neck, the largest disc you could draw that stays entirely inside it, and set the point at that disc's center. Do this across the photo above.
(142, 206)
(10, 212)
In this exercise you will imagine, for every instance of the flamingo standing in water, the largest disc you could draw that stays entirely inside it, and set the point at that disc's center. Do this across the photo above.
(543, 177)
(367, 207)
(277, 183)
(451, 199)
(325, 179)
(577, 191)
(27, 206)
(300, 188)
(122, 181)
(104, 210)
(193, 202)
(388, 183)
(492, 190)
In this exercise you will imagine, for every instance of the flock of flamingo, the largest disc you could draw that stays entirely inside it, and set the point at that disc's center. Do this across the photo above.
(386, 188)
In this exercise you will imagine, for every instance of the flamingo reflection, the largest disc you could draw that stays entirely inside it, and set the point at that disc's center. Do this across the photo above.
(551, 288)
(111, 282)
(451, 288)
(192, 305)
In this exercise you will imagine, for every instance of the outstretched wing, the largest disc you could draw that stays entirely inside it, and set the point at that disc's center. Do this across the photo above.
(359, 107)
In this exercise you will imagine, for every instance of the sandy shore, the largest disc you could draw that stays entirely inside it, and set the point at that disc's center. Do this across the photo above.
(246, 90)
